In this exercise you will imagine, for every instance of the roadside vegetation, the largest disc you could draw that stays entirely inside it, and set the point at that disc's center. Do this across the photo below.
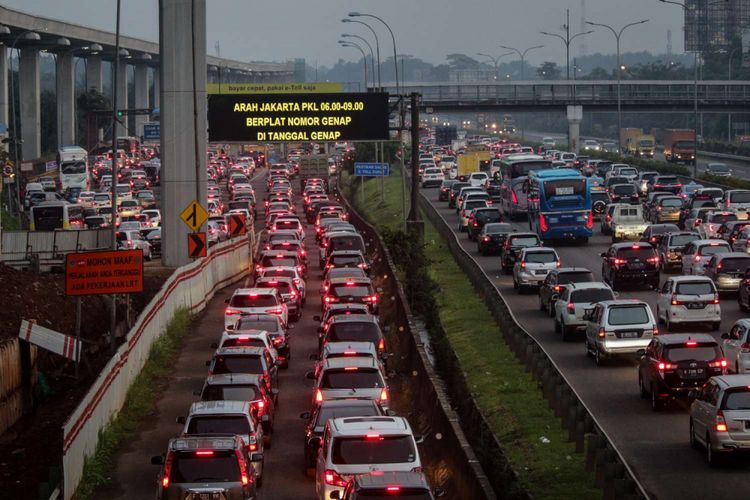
(457, 318)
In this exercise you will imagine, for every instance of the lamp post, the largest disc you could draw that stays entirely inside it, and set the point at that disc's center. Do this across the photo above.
(618, 34)
(364, 56)
(566, 40)
(377, 41)
(729, 77)
(393, 39)
(372, 57)
(522, 55)
(494, 60)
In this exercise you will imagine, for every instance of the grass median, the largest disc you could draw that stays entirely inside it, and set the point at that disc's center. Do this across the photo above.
(531, 435)
(139, 403)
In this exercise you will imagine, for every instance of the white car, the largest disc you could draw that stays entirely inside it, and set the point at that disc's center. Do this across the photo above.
(568, 158)
(477, 179)
(254, 301)
(697, 254)
(549, 142)
(101, 200)
(287, 272)
(737, 200)
(250, 338)
(86, 198)
(532, 267)
(618, 327)
(736, 346)
(590, 145)
(133, 240)
(688, 299)
(432, 177)
(155, 216)
(344, 451)
(123, 192)
(709, 228)
(572, 303)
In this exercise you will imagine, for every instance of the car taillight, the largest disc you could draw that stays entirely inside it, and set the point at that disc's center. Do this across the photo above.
(486, 239)
(745, 347)
(665, 366)
(318, 396)
(618, 262)
(715, 300)
(720, 363)
(571, 307)
(252, 447)
(653, 260)
(543, 223)
(557, 263)
(229, 311)
(523, 265)
(675, 302)
(514, 198)
(384, 395)
(602, 333)
(275, 310)
(381, 345)
(590, 221)
(333, 479)
(721, 424)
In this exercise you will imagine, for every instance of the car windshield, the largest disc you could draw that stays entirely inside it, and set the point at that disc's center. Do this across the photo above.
(373, 449)
(734, 264)
(238, 364)
(679, 353)
(541, 257)
(628, 315)
(234, 392)
(218, 467)
(695, 288)
(327, 413)
(524, 241)
(737, 398)
(354, 332)
(671, 203)
(351, 378)
(740, 197)
(714, 249)
(718, 167)
(219, 424)
(681, 240)
(344, 290)
(591, 295)
(253, 300)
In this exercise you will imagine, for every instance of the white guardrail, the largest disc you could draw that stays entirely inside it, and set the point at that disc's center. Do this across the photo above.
(190, 286)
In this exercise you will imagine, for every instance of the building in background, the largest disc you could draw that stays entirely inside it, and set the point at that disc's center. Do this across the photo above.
(718, 24)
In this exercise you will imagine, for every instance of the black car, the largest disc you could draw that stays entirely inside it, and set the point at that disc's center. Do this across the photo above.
(315, 422)
(556, 280)
(675, 364)
(666, 183)
(453, 194)
(494, 189)
(624, 193)
(654, 232)
(513, 246)
(492, 236)
(479, 217)
(635, 262)
(444, 191)
(153, 236)
(670, 248)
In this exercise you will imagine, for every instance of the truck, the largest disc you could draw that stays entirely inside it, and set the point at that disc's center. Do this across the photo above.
(626, 139)
(312, 167)
(473, 160)
(627, 222)
(679, 145)
(644, 146)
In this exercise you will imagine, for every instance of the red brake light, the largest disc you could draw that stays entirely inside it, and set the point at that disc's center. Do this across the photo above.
(384, 395)
(231, 312)
(721, 424)
(393, 489)
(590, 221)
(318, 396)
(543, 223)
(381, 345)
(571, 307)
(514, 198)
(206, 453)
(691, 343)
(334, 479)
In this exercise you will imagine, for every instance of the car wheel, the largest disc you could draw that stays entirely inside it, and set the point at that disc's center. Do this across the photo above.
(558, 329)
(658, 316)
(586, 348)
(149, 256)
(551, 309)
(711, 457)
(613, 283)
(668, 323)
(693, 442)
(598, 356)
(515, 283)
(656, 403)
(642, 390)
(259, 481)
(566, 333)
(542, 307)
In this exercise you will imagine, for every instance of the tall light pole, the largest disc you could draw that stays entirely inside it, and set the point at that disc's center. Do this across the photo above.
(729, 77)
(618, 34)
(393, 39)
(377, 41)
(357, 46)
(522, 55)
(494, 60)
(566, 40)
(372, 56)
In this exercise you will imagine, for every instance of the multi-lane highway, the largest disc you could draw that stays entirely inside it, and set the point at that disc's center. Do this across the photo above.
(654, 444)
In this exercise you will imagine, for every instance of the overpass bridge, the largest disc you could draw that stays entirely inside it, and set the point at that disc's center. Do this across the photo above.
(70, 42)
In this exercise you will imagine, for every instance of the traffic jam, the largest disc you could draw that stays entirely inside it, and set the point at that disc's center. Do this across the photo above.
(665, 291)
(310, 261)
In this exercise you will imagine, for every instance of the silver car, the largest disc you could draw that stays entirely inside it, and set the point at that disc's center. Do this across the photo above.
(618, 327)
(532, 267)
(720, 417)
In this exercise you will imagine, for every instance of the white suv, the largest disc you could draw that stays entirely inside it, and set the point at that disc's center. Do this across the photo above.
(532, 267)
(254, 301)
(697, 254)
(736, 346)
(432, 177)
(359, 445)
(477, 179)
(572, 303)
(617, 327)
(688, 299)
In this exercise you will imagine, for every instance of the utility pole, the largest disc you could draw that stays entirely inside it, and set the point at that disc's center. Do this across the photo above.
(113, 223)
(414, 223)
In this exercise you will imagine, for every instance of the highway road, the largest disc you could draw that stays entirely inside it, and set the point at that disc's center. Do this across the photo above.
(654, 444)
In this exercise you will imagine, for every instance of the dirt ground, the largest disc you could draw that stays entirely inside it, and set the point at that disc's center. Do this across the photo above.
(34, 443)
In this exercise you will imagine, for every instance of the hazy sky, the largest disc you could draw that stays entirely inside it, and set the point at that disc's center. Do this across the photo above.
(430, 29)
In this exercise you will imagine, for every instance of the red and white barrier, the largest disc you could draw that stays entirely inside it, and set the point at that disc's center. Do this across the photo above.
(57, 342)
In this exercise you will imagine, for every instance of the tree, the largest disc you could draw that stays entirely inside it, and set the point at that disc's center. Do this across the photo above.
(599, 73)
(461, 61)
(548, 71)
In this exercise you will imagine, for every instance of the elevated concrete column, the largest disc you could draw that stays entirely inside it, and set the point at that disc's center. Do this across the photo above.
(122, 97)
(29, 99)
(141, 96)
(65, 88)
(4, 102)
(183, 171)
(157, 89)
(575, 115)
(94, 73)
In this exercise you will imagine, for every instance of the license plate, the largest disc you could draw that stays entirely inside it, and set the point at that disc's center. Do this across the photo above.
(637, 266)
(628, 335)
(693, 373)
(540, 271)
(212, 495)
(695, 305)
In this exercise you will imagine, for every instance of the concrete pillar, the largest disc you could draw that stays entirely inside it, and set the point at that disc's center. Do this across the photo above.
(575, 115)
(65, 88)
(29, 99)
(4, 102)
(182, 179)
(157, 90)
(141, 96)
(94, 73)
(122, 97)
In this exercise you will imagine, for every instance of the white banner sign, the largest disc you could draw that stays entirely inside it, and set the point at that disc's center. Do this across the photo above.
(48, 339)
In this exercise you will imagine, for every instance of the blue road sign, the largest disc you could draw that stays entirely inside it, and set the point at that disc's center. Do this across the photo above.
(371, 169)
(152, 131)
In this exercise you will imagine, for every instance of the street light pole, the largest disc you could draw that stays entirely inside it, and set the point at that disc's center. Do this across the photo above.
(377, 41)
(113, 223)
(567, 39)
(494, 60)
(364, 56)
(522, 54)
(393, 39)
(617, 35)
(729, 77)
(372, 56)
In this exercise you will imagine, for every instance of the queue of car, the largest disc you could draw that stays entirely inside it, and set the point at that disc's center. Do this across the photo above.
(688, 243)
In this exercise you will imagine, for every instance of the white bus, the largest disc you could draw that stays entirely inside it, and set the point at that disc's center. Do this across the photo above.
(51, 215)
(73, 167)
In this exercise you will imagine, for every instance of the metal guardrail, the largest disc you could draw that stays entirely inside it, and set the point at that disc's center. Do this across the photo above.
(21, 245)
(611, 470)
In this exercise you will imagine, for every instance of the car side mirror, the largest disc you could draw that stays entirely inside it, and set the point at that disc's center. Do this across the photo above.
(379, 290)
(603, 254)
(554, 297)
(419, 439)
(157, 460)
(256, 457)
(439, 492)
(335, 495)
(616, 294)
(386, 328)
(391, 374)
(310, 375)
(725, 336)
(275, 392)
(305, 415)
(317, 318)
(265, 418)
(640, 353)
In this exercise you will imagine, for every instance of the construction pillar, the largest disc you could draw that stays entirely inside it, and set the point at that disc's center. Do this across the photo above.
(156, 88)
(66, 97)
(94, 73)
(141, 97)
(122, 97)
(182, 38)
(575, 115)
(29, 100)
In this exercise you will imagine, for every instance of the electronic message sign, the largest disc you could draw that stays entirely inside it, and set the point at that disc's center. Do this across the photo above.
(298, 117)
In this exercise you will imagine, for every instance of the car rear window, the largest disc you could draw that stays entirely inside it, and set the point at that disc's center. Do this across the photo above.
(234, 392)
(682, 239)
(679, 353)
(259, 300)
(345, 290)
(734, 264)
(636, 253)
(629, 212)
(667, 179)
(353, 242)
(671, 202)
(736, 398)
(591, 295)
(628, 315)
(354, 332)
(740, 197)
(219, 467)
(279, 262)
(219, 424)
(373, 449)
(345, 260)
(540, 257)
(269, 325)
(281, 286)
(695, 288)
(623, 189)
(714, 249)
(524, 241)
(722, 218)
(474, 204)
(327, 413)
(351, 378)
(238, 364)
(574, 277)
(489, 216)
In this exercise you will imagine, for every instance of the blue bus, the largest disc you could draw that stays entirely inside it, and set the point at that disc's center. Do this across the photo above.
(559, 204)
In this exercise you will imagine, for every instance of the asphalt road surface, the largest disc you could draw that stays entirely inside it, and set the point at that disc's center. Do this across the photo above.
(655, 445)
